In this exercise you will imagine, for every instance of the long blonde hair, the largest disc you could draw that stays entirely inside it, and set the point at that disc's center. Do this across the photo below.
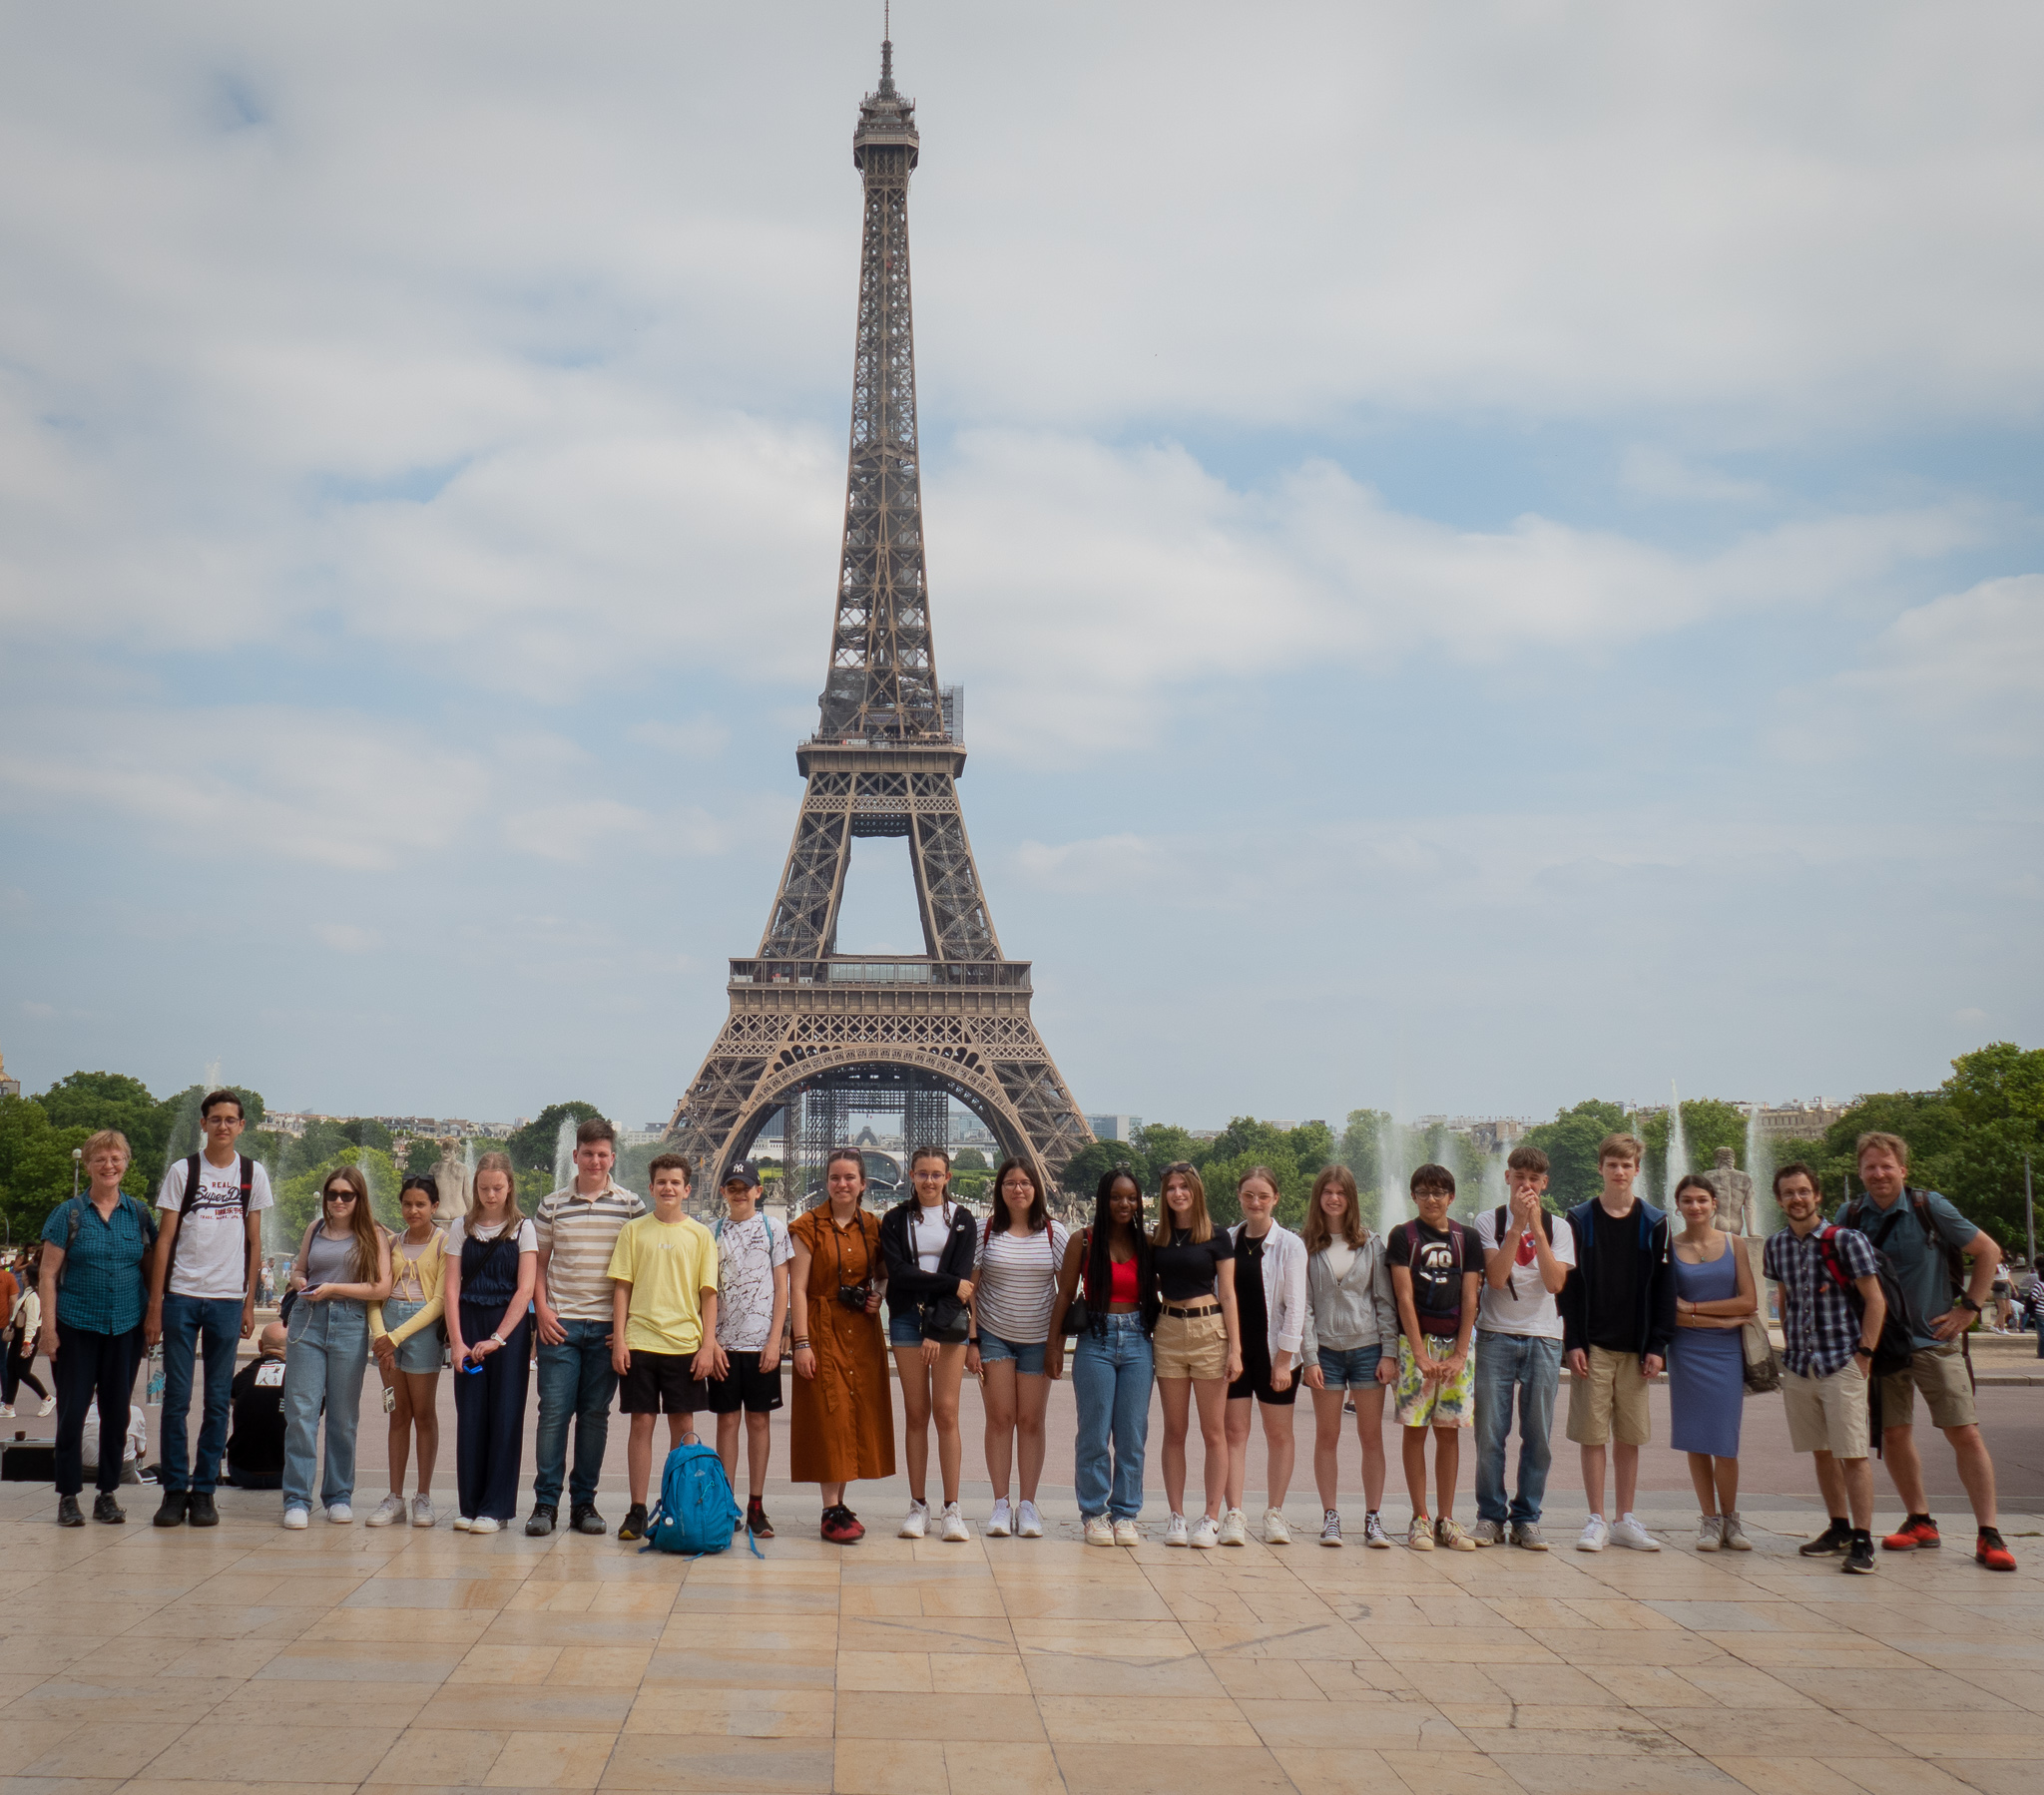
(1201, 1225)
(1316, 1234)
(512, 1213)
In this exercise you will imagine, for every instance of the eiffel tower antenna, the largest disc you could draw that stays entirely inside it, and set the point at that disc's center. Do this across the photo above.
(816, 1036)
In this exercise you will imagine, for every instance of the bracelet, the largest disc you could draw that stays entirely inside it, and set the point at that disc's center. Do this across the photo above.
(801, 1346)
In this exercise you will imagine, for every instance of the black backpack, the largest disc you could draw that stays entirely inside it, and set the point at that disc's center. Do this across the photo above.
(1861, 1210)
(1895, 1350)
(191, 1174)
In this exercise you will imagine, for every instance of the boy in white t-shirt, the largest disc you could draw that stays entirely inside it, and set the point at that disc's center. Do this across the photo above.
(744, 1380)
(1527, 1253)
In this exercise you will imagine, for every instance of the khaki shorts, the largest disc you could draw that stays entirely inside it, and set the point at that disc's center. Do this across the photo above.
(1827, 1414)
(1611, 1403)
(1940, 1373)
(1196, 1348)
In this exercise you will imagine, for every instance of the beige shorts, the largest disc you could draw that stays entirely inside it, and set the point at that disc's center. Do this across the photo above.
(1196, 1348)
(1611, 1403)
(1940, 1373)
(1828, 1414)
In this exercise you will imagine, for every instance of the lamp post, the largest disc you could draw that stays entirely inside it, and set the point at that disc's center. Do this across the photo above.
(77, 1161)
(2030, 1211)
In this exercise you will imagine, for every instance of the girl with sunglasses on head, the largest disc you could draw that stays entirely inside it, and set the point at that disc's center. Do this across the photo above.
(489, 1335)
(344, 1266)
(406, 1337)
(1112, 1362)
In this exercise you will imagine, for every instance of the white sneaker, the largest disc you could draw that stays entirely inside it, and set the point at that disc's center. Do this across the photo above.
(1175, 1531)
(1709, 1532)
(1734, 1533)
(998, 1525)
(1419, 1536)
(1594, 1534)
(1331, 1528)
(391, 1509)
(485, 1523)
(1235, 1528)
(1126, 1532)
(296, 1518)
(1099, 1531)
(956, 1533)
(917, 1523)
(463, 1524)
(1275, 1532)
(1205, 1534)
(48, 1409)
(340, 1513)
(1628, 1531)
(7, 1409)
(1028, 1523)
(422, 1511)
(1373, 1532)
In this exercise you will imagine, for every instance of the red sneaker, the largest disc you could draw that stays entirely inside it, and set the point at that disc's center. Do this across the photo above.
(841, 1527)
(1990, 1552)
(1918, 1533)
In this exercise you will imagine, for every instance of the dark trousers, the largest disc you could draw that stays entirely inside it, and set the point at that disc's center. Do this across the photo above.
(192, 1325)
(489, 1408)
(87, 1365)
(19, 1369)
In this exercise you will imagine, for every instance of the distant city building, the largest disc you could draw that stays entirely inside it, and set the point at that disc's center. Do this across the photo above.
(8, 1087)
(1115, 1127)
(1491, 1134)
(1799, 1121)
(642, 1137)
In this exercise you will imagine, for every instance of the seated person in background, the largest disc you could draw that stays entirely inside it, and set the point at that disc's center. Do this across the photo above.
(255, 1446)
(134, 1444)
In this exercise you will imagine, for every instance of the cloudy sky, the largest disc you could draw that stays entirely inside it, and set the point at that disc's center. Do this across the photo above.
(1494, 552)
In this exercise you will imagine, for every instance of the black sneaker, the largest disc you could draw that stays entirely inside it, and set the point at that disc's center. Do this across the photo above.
(1833, 1542)
(202, 1513)
(634, 1524)
(585, 1520)
(757, 1521)
(172, 1513)
(544, 1515)
(105, 1508)
(67, 1512)
(1859, 1560)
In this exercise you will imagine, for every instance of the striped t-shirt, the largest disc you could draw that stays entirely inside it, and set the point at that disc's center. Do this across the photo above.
(1015, 1281)
(582, 1233)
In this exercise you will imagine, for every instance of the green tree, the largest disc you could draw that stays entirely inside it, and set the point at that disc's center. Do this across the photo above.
(1085, 1168)
(1707, 1124)
(298, 1196)
(532, 1146)
(969, 1158)
(112, 1099)
(420, 1156)
(1570, 1144)
(36, 1166)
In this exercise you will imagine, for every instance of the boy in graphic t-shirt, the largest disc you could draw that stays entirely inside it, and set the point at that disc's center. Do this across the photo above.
(663, 1325)
(1435, 1272)
(752, 1256)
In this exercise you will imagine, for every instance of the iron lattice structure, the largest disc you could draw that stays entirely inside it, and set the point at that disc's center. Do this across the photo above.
(815, 1034)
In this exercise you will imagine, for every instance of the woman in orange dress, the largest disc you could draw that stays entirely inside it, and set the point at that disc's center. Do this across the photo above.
(841, 1421)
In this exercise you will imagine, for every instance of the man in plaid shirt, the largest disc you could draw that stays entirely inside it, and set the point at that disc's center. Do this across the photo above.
(1828, 1355)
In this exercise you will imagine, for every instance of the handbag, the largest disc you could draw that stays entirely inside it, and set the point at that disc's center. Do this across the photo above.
(1761, 1363)
(1078, 1318)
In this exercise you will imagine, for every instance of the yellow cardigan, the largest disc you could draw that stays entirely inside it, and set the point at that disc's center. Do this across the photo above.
(432, 1268)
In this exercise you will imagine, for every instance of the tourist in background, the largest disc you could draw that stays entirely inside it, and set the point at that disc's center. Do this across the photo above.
(492, 1259)
(406, 1335)
(1618, 1318)
(1526, 1261)
(577, 1230)
(841, 1419)
(1196, 1341)
(1436, 1271)
(344, 1266)
(1713, 1294)
(1015, 1283)
(1349, 1345)
(256, 1440)
(23, 1332)
(929, 1244)
(1112, 1366)
(752, 1258)
(1270, 1300)
(1929, 1242)
(92, 1278)
(202, 1298)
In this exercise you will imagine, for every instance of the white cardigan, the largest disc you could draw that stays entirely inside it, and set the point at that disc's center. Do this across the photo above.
(1283, 1287)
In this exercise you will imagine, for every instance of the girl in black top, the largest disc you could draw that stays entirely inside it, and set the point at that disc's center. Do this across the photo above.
(1197, 1344)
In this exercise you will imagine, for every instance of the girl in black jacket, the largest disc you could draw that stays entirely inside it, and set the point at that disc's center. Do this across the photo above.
(927, 1243)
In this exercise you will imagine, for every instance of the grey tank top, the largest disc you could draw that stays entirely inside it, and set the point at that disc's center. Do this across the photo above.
(329, 1261)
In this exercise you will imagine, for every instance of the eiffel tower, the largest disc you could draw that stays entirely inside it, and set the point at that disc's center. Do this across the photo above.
(815, 1035)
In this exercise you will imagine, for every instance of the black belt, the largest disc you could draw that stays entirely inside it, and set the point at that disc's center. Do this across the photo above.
(1193, 1314)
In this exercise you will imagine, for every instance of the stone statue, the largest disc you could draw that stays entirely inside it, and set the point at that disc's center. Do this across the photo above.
(1734, 1194)
(454, 1178)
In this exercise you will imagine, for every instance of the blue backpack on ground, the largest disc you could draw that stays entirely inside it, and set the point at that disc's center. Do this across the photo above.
(696, 1513)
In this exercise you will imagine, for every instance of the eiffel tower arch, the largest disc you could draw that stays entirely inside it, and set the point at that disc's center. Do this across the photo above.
(813, 1035)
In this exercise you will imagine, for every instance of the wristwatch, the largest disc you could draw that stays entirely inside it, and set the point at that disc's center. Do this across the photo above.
(1866, 1350)
(1966, 1302)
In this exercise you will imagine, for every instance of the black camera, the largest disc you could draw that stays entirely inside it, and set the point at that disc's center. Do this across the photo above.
(854, 1296)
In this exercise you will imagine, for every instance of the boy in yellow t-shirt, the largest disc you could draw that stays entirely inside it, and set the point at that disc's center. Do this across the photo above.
(663, 1324)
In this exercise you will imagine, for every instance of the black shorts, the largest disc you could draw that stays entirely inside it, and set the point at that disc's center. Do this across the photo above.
(744, 1386)
(1256, 1381)
(661, 1381)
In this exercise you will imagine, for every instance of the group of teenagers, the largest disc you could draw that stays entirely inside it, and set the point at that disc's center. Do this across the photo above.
(1459, 1325)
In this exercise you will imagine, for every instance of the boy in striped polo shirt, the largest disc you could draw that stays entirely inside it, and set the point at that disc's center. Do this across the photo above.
(577, 1230)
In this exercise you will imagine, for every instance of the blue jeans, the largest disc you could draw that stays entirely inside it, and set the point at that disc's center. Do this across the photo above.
(323, 1365)
(576, 1382)
(1111, 1380)
(1532, 1367)
(189, 1323)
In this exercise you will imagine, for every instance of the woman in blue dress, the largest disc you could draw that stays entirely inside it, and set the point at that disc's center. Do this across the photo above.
(1713, 1294)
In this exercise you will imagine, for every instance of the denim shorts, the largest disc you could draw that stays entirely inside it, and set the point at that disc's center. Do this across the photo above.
(1028, 1359)
(1354, 1369)
(904, 1327)
(422, 1352)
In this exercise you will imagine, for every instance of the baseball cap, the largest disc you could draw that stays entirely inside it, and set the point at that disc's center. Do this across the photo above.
(741, 1171)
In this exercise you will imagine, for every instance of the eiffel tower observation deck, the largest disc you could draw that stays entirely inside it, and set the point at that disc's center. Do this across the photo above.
(816, 1036)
